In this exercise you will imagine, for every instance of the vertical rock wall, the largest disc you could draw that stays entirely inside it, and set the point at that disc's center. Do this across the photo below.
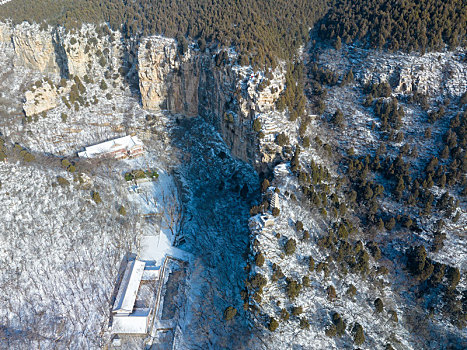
(189, 84)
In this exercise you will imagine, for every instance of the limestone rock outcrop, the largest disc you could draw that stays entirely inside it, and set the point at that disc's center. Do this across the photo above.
(157, 65)
(40, 99)
(34, 48)
(5, 33)
(227, 96)
(192, 84)
(85, 52)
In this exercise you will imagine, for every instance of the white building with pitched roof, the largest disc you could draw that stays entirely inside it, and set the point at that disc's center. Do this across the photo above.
(120, 148)
(128, 318)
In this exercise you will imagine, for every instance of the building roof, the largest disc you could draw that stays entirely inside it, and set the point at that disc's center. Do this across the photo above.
(136, 323)
(151, 273)
(129, 286)
(122, 143)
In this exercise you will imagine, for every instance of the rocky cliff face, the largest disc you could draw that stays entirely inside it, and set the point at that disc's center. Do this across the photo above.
(190, 84)
(40, 99)
(432, 74)
(54, 51)
(34, 48)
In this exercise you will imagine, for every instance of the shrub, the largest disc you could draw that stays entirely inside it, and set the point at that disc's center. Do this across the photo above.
(306, 281)
(331, 291)
(304, 324)
(379, 305)
(339, 323)
(273, 324)
(229, 313)
(390, 224)
(62, 181)
(285, 315)
(311, 263)
(122, 210)
(28, 157)
(257, 297)
(265, 185)
(277, 274)
(258, 281)
(299, 225)
(338, 118)
(103, 85)
(331, 331)
(102, 61)
(383, 270)
(259, 259)
(393, 316)
(282, 139)
(351, 291)
(297, 310)
(359, 335)
(416, 259)
(374, 250)
(453, 276)
(64, 117)
(257, 125)
(290, 246)
(96, 197)
(306, 235)
(293, 289)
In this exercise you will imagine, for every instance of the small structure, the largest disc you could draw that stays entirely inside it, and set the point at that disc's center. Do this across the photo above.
(123, 147)
(116, 342)
(128, 318)
(275, 201)
(266, 220)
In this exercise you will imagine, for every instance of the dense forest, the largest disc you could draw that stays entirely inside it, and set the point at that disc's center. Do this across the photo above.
(424, 25)
(259, 29)
(262, 30)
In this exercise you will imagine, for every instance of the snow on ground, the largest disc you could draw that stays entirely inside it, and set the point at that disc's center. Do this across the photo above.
(60, 253)
(441, 76)
(318, 310)
(61, 250)
(215, 231)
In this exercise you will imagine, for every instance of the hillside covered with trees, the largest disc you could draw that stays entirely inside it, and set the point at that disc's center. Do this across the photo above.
(259, 29)
(425, 25)
(264, 30)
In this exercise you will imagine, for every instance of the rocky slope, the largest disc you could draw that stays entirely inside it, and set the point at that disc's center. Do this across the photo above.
(93, 85)
(190, 84)
(85, 93)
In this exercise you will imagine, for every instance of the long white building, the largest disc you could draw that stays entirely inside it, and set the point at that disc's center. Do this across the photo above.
(120, 148)
(128, 318)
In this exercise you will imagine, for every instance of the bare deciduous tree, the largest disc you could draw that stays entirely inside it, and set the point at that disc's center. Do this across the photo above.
(172, 212)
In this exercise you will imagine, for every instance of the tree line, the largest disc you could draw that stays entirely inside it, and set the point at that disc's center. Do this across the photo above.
(259, 29)
(424, 25)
